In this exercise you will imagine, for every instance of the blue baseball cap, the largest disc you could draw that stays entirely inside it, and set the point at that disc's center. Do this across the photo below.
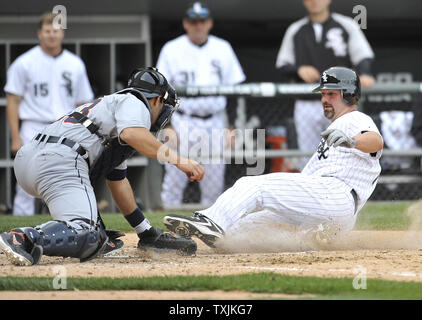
(197, 11)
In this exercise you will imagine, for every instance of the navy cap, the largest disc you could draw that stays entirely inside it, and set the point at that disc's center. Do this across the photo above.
(197, 11)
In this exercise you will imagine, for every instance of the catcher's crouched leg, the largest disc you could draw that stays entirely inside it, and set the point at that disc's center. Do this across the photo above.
(56, 238)
(155, 238)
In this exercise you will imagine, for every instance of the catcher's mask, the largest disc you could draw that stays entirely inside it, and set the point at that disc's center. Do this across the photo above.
(344, 79)
(153, 84)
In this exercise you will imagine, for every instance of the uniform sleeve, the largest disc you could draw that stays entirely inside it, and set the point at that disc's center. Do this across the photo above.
(367, 124)
(84, 91)
(358, 46)
(286, 54)
(16, 79)
(235, 73)
(163, 63)
(132, 112)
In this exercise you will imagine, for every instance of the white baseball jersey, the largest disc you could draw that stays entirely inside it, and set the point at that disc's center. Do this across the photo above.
(50, 86)
(355, 168)
(214, 63)
(185, 63)
(321, 193)
(338, 41)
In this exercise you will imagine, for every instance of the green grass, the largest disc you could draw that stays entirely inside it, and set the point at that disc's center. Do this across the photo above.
(374, 216)
(384, 216)
(322, 288)
(112, 220)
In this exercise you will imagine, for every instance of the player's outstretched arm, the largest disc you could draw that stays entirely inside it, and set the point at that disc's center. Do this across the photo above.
(368, 142)
(142, 140)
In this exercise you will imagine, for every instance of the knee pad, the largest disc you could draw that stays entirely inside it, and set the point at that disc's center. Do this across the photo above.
(58, 239)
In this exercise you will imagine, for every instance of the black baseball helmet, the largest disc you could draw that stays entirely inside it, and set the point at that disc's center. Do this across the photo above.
(153, 84)
(341, 78)
(197, 11)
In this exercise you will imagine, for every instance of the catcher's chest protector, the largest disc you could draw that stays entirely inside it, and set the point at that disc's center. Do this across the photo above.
(114, 153)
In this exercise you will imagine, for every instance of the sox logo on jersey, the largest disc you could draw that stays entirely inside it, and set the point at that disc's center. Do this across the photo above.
(322, 151)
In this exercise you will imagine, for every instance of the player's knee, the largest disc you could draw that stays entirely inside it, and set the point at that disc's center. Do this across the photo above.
(58, 239)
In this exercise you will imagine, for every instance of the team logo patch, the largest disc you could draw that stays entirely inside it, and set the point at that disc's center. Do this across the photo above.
(322, 150)
(336, 42)
(324, 77)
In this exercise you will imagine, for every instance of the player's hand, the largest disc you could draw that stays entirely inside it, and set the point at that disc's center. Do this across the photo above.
(309, 74)
(15, 145)
(366, 81)
(336, 138)
(192, 169)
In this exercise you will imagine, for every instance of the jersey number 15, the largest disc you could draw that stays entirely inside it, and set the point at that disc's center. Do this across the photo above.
(41, 89)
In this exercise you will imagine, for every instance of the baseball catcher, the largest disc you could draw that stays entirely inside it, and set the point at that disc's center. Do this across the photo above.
(62, 163)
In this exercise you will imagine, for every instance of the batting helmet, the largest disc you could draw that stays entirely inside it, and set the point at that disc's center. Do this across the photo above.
(344, 79)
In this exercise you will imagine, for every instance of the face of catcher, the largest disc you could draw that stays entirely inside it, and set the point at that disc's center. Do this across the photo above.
(333, 104)
(156, 105)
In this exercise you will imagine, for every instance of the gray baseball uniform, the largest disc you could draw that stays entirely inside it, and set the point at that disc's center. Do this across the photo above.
(58, 174)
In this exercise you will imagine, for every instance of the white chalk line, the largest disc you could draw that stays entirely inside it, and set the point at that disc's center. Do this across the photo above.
(399, 274)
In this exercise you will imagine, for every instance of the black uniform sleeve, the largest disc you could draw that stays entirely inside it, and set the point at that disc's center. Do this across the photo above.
(364, 67)
(288, 73)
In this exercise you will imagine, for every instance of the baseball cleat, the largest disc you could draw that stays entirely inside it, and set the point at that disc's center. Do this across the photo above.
(12, 247)
(112, 247)
(198, 225)
(156, 238)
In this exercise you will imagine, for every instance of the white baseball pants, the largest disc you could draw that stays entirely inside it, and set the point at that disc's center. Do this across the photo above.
(284, 199)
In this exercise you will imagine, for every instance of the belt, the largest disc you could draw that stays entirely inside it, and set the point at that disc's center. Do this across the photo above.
(67, 142)
(204, 117)
(355, 198)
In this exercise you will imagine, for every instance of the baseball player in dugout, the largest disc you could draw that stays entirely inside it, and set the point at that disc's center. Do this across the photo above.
(311, 45)
(198, 59)
(64, 160)
(325, 198)
(43, 84)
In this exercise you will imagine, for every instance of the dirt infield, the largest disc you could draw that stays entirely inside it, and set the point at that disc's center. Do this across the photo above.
(395, 255)
(392, 255)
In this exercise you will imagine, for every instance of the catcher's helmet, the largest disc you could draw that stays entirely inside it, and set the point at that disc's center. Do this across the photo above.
(340, 78)
(197, 11)
(153, 84)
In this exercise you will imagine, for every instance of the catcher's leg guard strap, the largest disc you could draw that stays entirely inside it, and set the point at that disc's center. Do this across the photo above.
(58, 239)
